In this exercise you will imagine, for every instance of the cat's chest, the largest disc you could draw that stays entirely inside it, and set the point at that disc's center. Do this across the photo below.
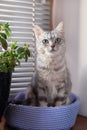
(51, 70)
(51, 75)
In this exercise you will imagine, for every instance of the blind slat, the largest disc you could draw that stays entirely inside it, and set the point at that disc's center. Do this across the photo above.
(17, 12)
(20, 85)
(16, 6)
(22, 79)
(22, 14)
(19, 1)
(23, 69)
(23, 74)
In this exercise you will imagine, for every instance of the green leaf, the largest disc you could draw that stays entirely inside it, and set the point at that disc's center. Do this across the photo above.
(5, 27)
(1, 25)
(14, 45)
(20, 50)
(8, 33)
(3, 42)
(3, 35)
(11, 57)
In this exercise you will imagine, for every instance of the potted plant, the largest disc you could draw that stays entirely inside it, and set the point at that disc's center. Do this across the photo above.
(9, 58)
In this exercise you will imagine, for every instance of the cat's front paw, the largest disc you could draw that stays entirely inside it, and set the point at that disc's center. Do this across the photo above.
(43, 104)
(66, 101)
(58, 103)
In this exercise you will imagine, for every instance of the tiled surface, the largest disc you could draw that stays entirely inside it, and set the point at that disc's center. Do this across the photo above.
(81, 123)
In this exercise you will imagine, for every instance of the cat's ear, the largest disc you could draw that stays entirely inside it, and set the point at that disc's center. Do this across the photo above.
(37, 31)
(60, 27)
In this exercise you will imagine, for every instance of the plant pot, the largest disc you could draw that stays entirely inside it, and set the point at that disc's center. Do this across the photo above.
(5, 81)
(42, 118)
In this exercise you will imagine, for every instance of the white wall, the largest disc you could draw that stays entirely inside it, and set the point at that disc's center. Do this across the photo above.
(74, 15)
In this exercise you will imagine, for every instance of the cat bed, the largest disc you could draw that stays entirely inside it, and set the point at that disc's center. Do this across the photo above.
(42, 118)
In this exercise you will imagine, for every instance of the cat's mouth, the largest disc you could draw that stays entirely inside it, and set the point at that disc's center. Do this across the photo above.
(52, 50)
(51, 53)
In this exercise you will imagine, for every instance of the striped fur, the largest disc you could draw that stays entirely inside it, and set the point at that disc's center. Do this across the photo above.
(52, 79)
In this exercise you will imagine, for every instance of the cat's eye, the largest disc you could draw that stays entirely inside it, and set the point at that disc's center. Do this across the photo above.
(58, 40)
(45, 41)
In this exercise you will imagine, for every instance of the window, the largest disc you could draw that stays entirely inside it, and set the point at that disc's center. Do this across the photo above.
(22, 14)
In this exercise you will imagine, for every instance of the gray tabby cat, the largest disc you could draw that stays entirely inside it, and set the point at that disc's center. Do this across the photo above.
(52, 82)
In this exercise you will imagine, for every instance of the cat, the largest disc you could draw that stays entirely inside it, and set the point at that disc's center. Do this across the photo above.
(51, 82)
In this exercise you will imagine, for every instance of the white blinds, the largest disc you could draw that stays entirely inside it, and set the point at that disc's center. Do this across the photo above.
(21, 14)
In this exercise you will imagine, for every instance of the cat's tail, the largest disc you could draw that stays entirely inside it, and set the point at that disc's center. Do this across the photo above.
(28, 102)
(27, 98)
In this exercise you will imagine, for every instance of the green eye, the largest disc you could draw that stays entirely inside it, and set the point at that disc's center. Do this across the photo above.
(45, 41)
(58, 40)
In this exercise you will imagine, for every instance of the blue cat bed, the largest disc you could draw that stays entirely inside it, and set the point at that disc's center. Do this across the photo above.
(42, 118)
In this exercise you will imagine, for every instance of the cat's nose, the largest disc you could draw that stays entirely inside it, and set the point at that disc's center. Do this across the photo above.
(52, 46)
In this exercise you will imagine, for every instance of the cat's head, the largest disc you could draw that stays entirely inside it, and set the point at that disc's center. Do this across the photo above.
(50, 43)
